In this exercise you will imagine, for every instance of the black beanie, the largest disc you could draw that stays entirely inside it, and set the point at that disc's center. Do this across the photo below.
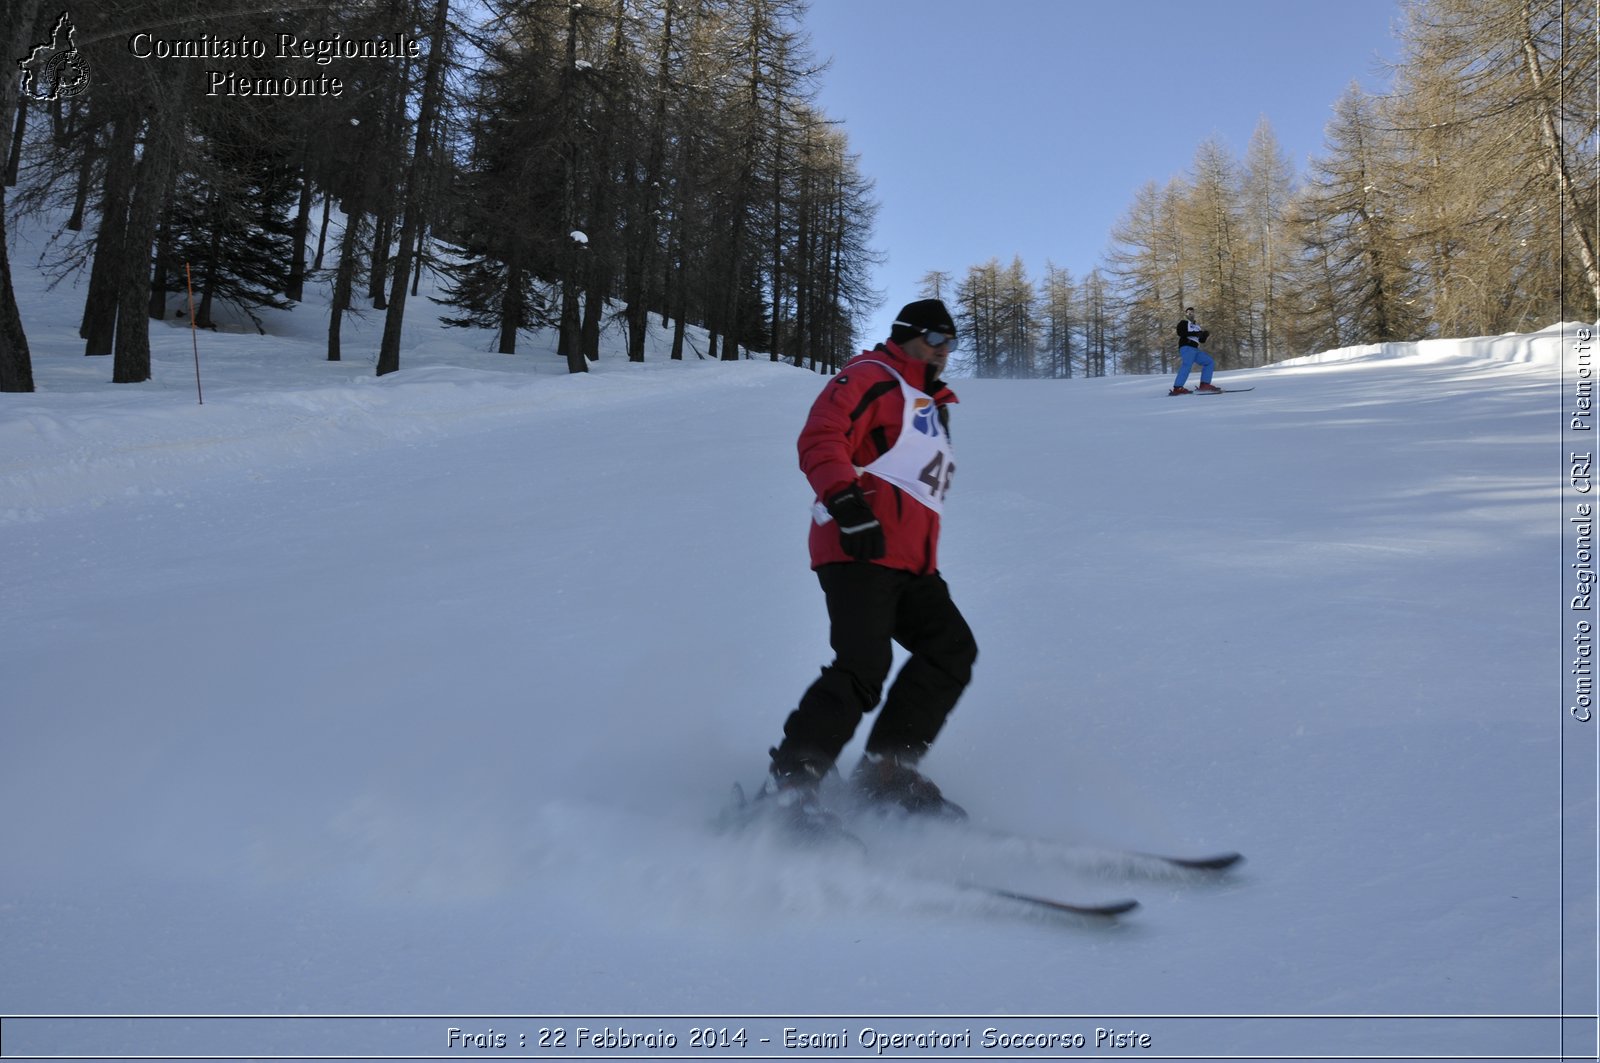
(916, 318)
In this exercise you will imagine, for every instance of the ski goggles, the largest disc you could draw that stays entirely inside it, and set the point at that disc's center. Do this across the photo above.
(935, 337)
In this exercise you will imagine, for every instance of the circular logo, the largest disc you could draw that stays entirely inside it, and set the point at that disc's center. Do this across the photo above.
(65, 75)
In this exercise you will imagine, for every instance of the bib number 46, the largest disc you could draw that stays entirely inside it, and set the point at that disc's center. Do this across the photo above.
(936, 474)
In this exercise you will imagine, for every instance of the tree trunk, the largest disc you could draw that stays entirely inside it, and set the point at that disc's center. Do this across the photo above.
(680, 298)
(344, 281)
(572, 326)
(635, 311)
(389, 350)
(511, 307)
(420, 258)
(1556, 159)
(80, 201)
(775, 340)
(16, 362)
(642, 245)
(392, 164)
(158, 278)
(322, 236)
(100, 304)
(209, 269)
(131, 363)
(571, 331)
(382, 237)
(15, 158)
(593, 306)
(295, 289)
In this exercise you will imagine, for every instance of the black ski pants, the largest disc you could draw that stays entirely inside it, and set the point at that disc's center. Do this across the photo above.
(870, 607)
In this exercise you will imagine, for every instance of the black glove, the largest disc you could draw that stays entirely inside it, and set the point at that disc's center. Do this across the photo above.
(1203, 335)
(859, 531)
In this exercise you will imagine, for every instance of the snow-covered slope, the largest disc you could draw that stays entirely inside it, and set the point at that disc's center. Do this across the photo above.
(339, 695)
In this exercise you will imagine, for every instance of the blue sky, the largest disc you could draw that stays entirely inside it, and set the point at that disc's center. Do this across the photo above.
(1025, 127)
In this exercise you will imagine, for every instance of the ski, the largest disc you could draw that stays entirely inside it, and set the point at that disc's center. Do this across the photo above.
(1050, 905)
(837, 837)
(1052, 848)
(1113, 860)
(1218, 862)
(1223, 391)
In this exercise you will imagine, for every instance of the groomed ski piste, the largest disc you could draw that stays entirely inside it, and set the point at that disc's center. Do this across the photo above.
(339, 695)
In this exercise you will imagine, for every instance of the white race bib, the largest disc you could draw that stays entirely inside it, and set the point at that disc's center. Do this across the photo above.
(921, 461)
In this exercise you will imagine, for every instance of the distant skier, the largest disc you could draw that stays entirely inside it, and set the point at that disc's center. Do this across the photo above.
(876, 450)
(1190, 337)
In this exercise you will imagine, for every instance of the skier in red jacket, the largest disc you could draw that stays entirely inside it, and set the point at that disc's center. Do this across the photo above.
(876, 450)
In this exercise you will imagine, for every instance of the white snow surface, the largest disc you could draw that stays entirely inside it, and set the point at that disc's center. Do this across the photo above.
(420, 695)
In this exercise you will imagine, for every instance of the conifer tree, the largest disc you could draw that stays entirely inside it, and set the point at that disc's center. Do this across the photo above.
(978, 318)
(232, 212)
(501, 277)
(1215, 252)
(1059, 309)
(1494, 105)
(1268, 184)
(1353, 216)
(1145, 265)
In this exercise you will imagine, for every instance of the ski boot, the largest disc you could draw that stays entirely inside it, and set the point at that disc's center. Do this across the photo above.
(887, 781)
(791, 803)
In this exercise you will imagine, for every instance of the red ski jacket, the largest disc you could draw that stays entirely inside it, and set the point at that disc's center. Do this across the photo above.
(856, 419)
